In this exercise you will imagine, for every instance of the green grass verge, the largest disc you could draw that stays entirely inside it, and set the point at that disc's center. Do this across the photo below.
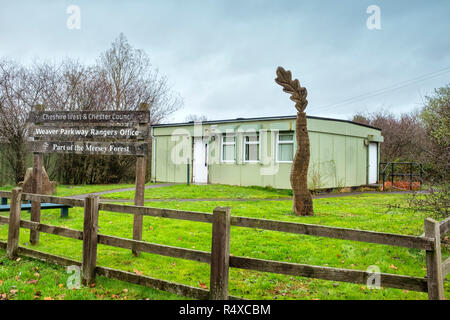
(377, 212)
(182, 191)
(68, 190)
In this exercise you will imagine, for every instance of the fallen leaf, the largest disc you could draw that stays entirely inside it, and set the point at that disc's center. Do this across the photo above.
(13, 291)
(48, 298)
(32, 281)
(60, 285)
(125, 290)
(393, 267)
(137, 272)
(37, 275)
(1, 282)
(202, 285)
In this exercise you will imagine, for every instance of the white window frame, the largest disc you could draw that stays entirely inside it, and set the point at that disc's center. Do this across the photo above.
(278, 142)
(252, 142)
(222, 143)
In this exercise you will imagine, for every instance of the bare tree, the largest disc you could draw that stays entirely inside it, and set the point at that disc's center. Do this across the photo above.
(132, 80)
(303, 204)
(404, 135)
(20, 90)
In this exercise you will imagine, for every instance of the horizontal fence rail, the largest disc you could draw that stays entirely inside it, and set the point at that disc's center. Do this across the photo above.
(328, 273)
(221, 262)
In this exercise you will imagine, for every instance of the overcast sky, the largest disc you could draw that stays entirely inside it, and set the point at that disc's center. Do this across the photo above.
(221, 55)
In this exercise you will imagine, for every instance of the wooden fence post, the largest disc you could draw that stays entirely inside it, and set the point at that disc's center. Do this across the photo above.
(90, 231)
(139, 196)
(38, 162)
(14, 224)
(220, 253)
(138, 219)
(435, 279)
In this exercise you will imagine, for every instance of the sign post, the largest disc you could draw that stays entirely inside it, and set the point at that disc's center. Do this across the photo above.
(90, 132)
(38, 162)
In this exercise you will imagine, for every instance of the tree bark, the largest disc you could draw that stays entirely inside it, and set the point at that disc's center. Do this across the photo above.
(303, 204)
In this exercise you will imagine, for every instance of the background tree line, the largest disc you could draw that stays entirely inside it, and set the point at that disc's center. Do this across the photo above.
(121, 79)
(419, 136)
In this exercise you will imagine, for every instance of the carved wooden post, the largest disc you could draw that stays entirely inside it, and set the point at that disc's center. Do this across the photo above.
(139, 196)
(220, 253)
(37, 188)
(435, 278)
(14, 224)
(302, 204)
(90, 232)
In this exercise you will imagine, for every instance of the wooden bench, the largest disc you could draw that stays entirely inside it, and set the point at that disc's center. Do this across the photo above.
(4, 206)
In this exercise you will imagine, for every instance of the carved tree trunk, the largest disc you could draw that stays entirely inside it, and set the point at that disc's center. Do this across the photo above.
(303, 204)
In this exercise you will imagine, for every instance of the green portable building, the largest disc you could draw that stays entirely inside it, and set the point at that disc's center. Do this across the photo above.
(259, 152)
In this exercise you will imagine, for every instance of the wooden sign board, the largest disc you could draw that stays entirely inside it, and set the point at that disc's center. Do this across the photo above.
(71, 133)
(89, 117)
(90, 133)
(99, 148)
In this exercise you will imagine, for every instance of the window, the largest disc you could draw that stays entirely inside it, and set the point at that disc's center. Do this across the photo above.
(285, 147)
(228, 148)
(251, 148)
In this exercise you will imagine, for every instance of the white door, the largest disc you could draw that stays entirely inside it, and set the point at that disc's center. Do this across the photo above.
(373, 163)
(200, 163)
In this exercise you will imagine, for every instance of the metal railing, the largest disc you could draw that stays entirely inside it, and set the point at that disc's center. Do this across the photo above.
(411, 170)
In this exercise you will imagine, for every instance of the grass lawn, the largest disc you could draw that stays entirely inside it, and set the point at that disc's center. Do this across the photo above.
(183, 191)
(29, 279)
(377, 212)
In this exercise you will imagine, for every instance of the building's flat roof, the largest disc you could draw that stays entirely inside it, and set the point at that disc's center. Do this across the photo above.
(190, 123)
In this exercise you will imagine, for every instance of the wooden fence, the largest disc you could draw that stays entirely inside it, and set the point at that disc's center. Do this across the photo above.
(219, 258)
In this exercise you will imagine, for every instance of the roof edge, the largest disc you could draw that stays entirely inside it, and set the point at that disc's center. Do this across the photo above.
(259, 119)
